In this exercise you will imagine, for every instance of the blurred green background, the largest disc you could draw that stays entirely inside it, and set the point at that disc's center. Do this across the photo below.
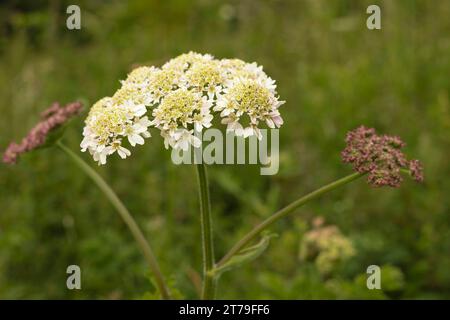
(334, 73)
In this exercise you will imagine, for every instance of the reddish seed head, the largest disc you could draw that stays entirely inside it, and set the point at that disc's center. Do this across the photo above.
(415, 167)
(51, 118)
(379, 156)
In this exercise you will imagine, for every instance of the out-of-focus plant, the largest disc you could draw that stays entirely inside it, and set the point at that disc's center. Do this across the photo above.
(326, 246)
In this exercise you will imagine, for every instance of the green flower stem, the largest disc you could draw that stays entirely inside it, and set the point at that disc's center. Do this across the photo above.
(283, 212)
(209, 282)
(125, 215)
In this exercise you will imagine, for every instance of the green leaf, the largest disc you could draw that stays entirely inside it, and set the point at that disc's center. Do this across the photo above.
(245, 255)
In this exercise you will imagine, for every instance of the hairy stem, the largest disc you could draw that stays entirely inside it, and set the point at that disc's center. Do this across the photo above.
(125, 215)
(283, 212)
(209, 282)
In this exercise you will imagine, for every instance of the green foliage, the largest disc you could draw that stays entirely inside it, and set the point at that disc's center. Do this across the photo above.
(245, 255)
(334, 74)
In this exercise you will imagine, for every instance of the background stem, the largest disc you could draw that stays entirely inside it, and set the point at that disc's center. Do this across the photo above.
(125, 215)
(209, 282)
(283, 212)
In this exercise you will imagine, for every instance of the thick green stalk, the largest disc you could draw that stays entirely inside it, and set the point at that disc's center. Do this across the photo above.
(283, 212)
(125, 215)
(209, 282)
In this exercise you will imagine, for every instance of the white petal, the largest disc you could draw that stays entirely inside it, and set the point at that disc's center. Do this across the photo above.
(137, 139)
(109, 150)
(237, 128)
(182, 144)
(166, 142)
(196, 142)
(258, 133)
(139, 110)
(207, 124)
(198, 126)
(85, 143)
(131, 140)
(102, 158)
(226, 120)
(100, 147)
(177, 134)
(145, 122)
(248, 132)
(138, 128)
(278, 121)
(270, 123)
(225, 112)
(123, 152)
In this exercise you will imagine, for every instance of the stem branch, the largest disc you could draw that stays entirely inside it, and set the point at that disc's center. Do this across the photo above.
(209, 282)
(283, 212)
(125, 215)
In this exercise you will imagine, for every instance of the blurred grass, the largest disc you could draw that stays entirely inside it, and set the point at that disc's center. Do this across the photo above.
(334, 73)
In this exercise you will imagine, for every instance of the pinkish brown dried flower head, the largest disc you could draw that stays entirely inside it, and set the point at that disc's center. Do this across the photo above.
(415, 167)
(51, 119)
(380, 156)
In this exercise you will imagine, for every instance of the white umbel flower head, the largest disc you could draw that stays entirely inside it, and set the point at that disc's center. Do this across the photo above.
(180, 97)
(108, 123)
(183, 62)
(178, 113)
(245, 104)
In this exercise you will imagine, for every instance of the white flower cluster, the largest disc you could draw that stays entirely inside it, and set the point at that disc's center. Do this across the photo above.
(108, 123)
(181, 97)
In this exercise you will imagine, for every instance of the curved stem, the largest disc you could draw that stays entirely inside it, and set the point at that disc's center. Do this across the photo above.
(209, 282)
(283, 212)
(125, 215)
